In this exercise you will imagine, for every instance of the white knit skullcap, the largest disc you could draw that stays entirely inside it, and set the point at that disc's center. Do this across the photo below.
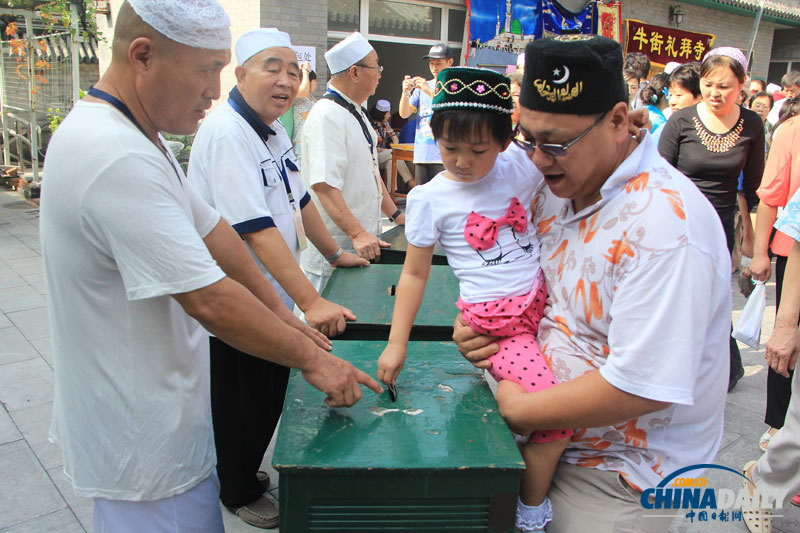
(669, 67)
(347, 52)
(195, 23)
(260, 39)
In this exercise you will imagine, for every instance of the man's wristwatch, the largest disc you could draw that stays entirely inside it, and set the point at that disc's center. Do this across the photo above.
(395, 215)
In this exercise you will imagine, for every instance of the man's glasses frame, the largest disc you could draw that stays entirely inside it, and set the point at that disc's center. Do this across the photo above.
(553, 150)
(378, 68)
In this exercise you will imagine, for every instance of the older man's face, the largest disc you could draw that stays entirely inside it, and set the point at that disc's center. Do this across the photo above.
(181, 87)
(791, 91)
(269, 81)
(582, 171)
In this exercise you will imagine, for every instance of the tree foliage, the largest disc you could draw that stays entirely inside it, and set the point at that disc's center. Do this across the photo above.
(57, 14)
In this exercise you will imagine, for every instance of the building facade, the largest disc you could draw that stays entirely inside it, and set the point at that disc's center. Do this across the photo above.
(403, 30)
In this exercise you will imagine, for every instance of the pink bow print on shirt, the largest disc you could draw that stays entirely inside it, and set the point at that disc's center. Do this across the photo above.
(481, 231)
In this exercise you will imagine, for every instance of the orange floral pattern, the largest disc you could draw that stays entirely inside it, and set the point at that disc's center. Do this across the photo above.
(585, 257)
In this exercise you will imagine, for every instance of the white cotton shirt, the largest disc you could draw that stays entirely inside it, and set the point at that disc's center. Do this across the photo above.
(335, 152)
(121, 231)
(240, 176)
(639, 287)
(438, 211)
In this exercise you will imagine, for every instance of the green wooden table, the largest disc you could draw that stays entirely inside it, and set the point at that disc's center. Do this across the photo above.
(397, 253)
(440, 458)
(369, 293)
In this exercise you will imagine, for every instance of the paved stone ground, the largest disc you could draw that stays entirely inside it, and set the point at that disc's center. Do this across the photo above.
(34, 496)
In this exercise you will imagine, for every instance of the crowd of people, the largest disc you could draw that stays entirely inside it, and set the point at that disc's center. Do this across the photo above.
(564, 214)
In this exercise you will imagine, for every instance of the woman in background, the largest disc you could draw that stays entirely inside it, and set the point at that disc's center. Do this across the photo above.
(684, 86)
(711, 142)
(654, 97)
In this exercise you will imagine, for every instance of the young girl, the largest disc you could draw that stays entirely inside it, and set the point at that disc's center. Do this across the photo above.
(479, 210)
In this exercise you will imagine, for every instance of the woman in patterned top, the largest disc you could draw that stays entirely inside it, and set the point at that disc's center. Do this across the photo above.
(713, 141)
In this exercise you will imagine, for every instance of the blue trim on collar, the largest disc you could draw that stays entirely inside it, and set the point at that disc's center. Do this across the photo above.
(253, 225)
(239, 105)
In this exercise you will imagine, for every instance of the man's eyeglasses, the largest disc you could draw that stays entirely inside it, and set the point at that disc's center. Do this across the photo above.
(553, 150)
(378, 68)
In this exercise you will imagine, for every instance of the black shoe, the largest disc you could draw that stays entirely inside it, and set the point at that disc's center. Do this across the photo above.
(263, 478)
(735, 379)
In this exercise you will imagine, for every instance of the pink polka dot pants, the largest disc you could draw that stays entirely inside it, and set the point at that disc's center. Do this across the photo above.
(519, 359)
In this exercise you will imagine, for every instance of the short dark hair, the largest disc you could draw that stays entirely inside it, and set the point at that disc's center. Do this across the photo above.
(630, 73)
(789, 110)
(688, 77)
(760, 94)
(376, 114)
(653, 92)
(791, 78)
(761, 82)
(716, 61)
(467, 125)
(312, 76)
(638, 62)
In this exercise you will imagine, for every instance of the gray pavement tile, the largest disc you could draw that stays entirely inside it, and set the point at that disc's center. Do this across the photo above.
(8, 430)
(34, 423)
(20, 299)
(26, 266)
(33, 323)
(26, 384)
(33, 243)
(81, 507)
(45, 349)
(62, 521)
(9, 278)
(26, 492)
(28, 229)
(14, 346)
(4, 321)
(37, 282)
(16, 249)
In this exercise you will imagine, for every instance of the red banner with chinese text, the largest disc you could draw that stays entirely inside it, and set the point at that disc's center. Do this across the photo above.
(663, 45)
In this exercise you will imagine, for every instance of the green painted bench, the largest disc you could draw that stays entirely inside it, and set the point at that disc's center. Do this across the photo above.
(397, 253)
(369, 292)
(440, 458)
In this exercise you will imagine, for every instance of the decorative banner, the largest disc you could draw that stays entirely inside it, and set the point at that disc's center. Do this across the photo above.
(609, 20)
(499, 30)
(557, 20)
(663, 45)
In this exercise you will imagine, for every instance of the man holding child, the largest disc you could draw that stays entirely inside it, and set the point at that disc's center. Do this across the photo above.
(636, 343)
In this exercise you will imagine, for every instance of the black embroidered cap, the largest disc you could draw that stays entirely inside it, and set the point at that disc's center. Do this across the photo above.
(469, 87)
(573, 74)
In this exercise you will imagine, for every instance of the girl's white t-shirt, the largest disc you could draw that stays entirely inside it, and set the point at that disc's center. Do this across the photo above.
(438, 211)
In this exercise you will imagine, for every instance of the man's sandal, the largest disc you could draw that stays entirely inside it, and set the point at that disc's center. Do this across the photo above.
(756, 519)
(763, 442)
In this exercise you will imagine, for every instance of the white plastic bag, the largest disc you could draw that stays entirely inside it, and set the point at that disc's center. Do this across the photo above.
(748, 328)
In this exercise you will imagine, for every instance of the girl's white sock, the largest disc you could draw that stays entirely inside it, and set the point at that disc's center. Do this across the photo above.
(533, 517)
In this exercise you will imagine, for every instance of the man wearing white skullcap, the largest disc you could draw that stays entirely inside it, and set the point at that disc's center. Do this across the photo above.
(243, 165)
(340, 161)
(136, 265)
